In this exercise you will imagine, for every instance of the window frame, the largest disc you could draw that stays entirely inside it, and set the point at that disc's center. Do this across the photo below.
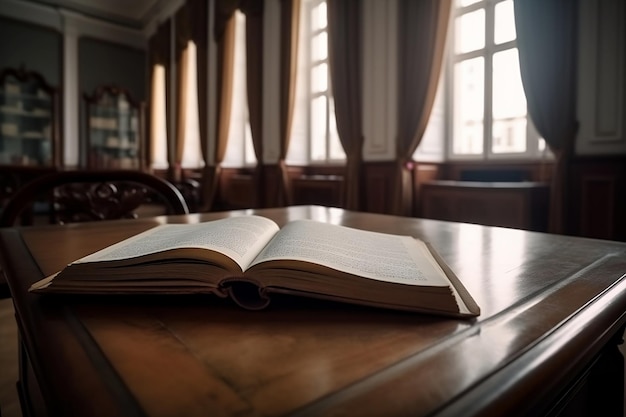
(310, 34)
(535, 148)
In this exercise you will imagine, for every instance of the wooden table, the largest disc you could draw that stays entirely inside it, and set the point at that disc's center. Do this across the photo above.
(553, 312)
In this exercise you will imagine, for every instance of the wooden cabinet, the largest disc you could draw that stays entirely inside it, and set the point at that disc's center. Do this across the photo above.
(28, 120)
(114, 131)
(521, 205)
(324, 190)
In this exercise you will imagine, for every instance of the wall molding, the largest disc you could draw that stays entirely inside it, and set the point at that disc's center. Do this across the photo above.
(602, 75)
(32, 13)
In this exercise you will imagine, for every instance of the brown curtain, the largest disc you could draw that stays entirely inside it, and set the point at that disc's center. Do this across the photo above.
(182, 37)
(422, 29)
(159, 54)
(344, 45)
(547, 34)
(289, 29)
(224, 34)
(198, 10)
(181, 113)
(254, 86)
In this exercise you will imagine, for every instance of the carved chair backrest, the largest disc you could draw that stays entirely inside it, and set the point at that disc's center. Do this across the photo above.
(12, 178)
(86, 195)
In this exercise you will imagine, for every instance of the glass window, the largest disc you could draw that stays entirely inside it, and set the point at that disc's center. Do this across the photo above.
(509, 104)
(240, 149)
(504, 27)
(317, 13)
(463, 3)
(470, 31)
(158, 127)
(314, 135)
(319, 47)
(489, 109)
(319, 78)
(192, 151)
(468, 106)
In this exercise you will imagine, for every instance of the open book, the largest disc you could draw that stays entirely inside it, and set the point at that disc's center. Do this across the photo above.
(248, 258)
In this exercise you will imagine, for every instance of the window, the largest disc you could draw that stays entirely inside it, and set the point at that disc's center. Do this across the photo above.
(314, 137)
(192, 151)
(239, 150)
(489, 113)
(158, 132)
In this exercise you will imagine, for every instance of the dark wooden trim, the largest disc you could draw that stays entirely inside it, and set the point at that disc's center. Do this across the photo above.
(45, 360)
(597, 187)
(598, 197)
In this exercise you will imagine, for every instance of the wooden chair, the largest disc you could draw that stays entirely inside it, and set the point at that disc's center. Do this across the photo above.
(88, 195)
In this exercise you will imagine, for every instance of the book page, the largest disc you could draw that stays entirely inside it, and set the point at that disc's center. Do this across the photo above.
(240, 238)
(380, 256)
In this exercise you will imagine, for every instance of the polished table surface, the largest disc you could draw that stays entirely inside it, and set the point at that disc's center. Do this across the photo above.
(550, 305)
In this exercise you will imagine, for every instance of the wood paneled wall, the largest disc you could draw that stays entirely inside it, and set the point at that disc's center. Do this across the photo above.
(598, 193)
(597, 188)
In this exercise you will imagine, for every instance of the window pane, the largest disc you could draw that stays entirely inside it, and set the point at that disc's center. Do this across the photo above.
(509, 104)
(468, 106)
(318, 17)
(192, 152)
(318, 129)
(509, 136)
(239, 141)
(158, 131)
(250, 157)
(319, 47)
(470, 31)
(504, 30)
(463, 3)
(319, 78)
(335, 148)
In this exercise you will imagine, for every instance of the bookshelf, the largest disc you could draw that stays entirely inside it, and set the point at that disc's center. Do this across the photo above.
(28, 120)
(114, 134)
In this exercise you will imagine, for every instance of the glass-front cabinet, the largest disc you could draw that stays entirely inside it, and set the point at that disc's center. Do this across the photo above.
(28, 120)
(114, 134)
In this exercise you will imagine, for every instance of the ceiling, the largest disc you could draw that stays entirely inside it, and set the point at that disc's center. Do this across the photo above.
(130, 13)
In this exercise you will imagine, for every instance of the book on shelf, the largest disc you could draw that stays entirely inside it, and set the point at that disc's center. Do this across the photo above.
(249, 258)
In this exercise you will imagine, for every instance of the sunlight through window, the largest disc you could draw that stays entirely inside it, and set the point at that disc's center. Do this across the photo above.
(240, 149)
(314, 128)
(192, 152)
(489, 113)
(158, 126)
